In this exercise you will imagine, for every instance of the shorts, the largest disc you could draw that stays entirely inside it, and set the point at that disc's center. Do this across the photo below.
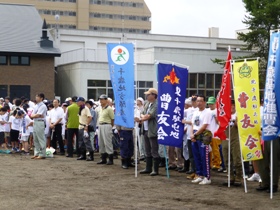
(24, 138)
(7, 134)
(2, 138)
(14, 134)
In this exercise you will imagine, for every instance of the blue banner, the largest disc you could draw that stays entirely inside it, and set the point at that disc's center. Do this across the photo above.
(271, 108)
(121, 67)
(172, 85)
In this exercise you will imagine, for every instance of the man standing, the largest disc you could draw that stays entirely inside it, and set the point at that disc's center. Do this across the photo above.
(72, 118)
(84, 120)
(215, 157)
(55, 120)
(188, 122)
(200, 122)
(235, 179)
(106, 122)
(39, 115)
(149, 118)
(92, 125)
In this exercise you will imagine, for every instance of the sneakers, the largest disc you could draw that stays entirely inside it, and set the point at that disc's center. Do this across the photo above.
(223, 170)
(192, 176)
(205, 181)
(255, 177)
(197, 180)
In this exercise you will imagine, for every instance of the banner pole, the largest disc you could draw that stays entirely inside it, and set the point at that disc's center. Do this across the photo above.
(242, 161)
(166, 162)
(271, 169)
(136, 96)
(229, 157)
(135, 149)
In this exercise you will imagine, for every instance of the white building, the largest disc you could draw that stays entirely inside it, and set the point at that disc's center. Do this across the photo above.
(83, 69)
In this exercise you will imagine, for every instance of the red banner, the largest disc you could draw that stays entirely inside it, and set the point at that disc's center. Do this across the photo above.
(223, 102)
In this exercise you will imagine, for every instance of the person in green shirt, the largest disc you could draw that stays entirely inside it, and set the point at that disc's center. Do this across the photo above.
(72, 126)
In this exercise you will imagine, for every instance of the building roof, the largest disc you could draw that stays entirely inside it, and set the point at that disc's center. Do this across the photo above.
(21, 30)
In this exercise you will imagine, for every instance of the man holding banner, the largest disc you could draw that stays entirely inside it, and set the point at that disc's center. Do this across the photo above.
(234, 151)
(149, 118)
(271, 119)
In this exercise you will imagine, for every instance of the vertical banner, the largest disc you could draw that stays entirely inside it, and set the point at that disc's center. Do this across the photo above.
(121, 67)
(224, 101)
(271, 108)
(172, 85)
(247, 103)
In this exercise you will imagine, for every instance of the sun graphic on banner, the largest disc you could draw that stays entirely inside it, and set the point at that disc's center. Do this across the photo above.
(172, 77)
(119, 55)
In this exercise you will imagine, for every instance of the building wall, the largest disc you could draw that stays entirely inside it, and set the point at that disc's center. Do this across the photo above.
(81, 10)
(39, 75)
(84, 58)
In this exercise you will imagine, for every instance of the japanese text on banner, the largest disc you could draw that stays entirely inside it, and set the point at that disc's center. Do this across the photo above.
(121, 68)
(247, 102)
(271, 121)
(172, 83)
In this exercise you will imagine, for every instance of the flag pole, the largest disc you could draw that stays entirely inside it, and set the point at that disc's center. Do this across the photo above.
(229, 156)
(271, 169)
(242, 161)
(136, 128)
(166, 162)
(229, 128)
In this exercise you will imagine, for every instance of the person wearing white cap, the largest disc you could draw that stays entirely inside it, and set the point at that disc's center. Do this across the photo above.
(188, 104)
(141, 144)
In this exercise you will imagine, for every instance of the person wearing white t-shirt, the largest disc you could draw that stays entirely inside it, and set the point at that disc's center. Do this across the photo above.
(24, 131)
(55, 121)
(15, 121)
(188, 104)
(215, 157)
(200, 122)
(188, 122)
(3, 111)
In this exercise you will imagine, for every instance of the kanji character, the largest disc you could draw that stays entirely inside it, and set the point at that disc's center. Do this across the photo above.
(162, 118)
(243, 98)
(250, 142)
(246, 122)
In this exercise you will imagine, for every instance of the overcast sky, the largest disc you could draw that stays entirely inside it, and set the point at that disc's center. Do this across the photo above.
(194, 17)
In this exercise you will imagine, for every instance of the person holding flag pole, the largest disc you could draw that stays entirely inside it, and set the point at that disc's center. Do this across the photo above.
(223, 105)
(271, 119)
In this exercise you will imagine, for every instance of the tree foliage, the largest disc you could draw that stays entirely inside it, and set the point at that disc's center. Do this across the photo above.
(262, 17)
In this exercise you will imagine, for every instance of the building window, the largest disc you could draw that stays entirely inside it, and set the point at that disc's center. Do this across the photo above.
(3, 90)
(14, 60)
(98, 87)
(3, 60)
(203, 83)
(20, 60)
(24, 60)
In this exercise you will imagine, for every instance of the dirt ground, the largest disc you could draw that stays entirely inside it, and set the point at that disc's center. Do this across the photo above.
(63, 183)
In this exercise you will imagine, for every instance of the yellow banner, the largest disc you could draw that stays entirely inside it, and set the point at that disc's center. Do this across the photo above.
(247, 103)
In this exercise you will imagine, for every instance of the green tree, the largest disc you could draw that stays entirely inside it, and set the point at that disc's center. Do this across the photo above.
(262, 17)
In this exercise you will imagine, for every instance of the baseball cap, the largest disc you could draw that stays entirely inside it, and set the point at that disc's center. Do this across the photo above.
(68, 99)
(188, 101)
(211, 100)
(103, 96)
(80, 99)
(151, 91)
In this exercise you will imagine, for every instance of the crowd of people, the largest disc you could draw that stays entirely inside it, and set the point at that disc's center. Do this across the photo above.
(81, 127)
